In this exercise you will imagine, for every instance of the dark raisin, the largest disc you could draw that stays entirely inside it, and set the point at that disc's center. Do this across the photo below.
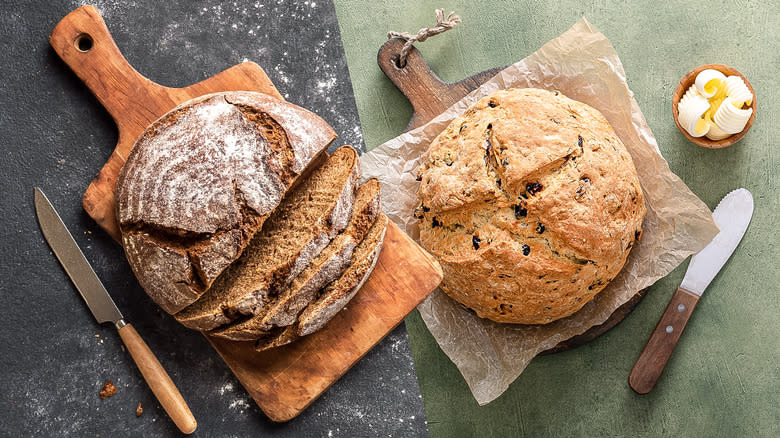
(425, 209)
(498, 181)
(533, 188)
(573, 116)
(547, 308)
(490, 126)
(579, 141)
(526, 250)
(504, 162)
(418, 214)
(462, 127)
(492, 104)
(555, 93)
(630, 244)
(520, 211)
(419, 178)
(539, 228)
(637, 235)
(475, 241)
(435, 223)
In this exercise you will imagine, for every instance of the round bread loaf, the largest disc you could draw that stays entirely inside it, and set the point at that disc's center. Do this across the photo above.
(201, 180)
(531, 204)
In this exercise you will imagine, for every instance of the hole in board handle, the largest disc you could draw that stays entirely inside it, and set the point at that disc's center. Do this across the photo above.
(397, 62)
(83, 42)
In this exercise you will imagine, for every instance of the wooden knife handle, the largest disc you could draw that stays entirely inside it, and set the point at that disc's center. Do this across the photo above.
(83, 41)
(158, 380)
(652, 360)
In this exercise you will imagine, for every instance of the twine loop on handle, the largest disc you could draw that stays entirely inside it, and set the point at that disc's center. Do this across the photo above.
(443, 24)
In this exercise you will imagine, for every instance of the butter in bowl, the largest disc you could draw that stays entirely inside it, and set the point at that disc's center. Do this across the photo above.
(714, 106)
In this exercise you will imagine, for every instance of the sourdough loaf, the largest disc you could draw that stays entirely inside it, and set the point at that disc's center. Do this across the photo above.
(200, 182)
(283, 310)
(306, 220)
(336, 295)
(531, 204)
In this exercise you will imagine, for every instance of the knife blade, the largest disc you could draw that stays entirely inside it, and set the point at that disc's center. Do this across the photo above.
(103, 308)
(76, 265)
(732, 215)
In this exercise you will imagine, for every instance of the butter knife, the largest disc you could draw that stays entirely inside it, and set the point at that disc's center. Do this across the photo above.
(732, 215)
(103, 308)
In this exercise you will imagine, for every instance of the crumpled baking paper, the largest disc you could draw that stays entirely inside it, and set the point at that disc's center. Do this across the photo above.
(582, 64)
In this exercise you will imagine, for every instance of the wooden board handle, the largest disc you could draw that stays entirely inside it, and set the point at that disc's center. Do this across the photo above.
(161, 384)
(425, 91)
(82, 40)
(652, 360)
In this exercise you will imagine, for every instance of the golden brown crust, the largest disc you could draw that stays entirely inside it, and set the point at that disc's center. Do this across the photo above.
(531, 203)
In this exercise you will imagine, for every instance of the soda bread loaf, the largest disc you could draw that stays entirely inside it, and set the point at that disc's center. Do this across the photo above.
(531, 204)
(200, 182)
(309, 216)
(283, 309)
(336, 295)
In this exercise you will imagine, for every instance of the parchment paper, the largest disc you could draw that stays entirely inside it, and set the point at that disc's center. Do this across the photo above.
(582, 64)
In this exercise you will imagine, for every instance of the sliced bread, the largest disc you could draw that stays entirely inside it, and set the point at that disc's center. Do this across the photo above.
(201, 180)
(283, 310)
(305, 221)
(337, 294)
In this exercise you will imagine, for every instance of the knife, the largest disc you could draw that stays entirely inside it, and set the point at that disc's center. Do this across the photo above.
(732, 215)
(103, 308)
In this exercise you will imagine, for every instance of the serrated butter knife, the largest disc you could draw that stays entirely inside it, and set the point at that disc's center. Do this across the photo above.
(103, 308)
(732, 215)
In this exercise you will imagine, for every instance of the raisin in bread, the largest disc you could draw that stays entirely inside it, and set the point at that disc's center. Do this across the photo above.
(531, 203)
(201, 180)
(309, 216)
(283, 310)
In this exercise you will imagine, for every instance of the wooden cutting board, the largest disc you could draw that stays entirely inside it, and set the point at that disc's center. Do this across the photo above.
(284, 381)
(430, 96)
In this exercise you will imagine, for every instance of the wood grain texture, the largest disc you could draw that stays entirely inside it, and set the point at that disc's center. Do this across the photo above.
(656, 354)
(430, 96)
(158, 380)
(286, 380)
(282, 382)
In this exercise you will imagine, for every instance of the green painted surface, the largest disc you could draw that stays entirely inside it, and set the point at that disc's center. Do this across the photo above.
(723, 379)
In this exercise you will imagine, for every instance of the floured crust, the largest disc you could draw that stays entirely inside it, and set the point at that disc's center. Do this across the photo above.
(531, 204)
(200, 181)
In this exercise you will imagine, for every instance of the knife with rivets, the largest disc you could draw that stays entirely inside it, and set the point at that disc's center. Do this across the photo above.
(732, 215)
(103, 308)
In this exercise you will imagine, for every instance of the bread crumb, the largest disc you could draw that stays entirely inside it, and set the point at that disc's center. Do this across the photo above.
(139, 410)
(108, 390)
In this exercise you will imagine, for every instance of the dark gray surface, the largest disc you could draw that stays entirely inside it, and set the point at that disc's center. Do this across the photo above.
(54, 134)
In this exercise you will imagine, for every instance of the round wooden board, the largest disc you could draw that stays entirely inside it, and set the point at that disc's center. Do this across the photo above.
(430, 96)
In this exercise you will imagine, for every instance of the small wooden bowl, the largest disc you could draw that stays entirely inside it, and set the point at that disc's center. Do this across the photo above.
(683, 86)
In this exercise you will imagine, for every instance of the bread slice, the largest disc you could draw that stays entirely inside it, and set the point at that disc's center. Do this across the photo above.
(283, 310)
(337, 294)
(201, 180)
(308, 217)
